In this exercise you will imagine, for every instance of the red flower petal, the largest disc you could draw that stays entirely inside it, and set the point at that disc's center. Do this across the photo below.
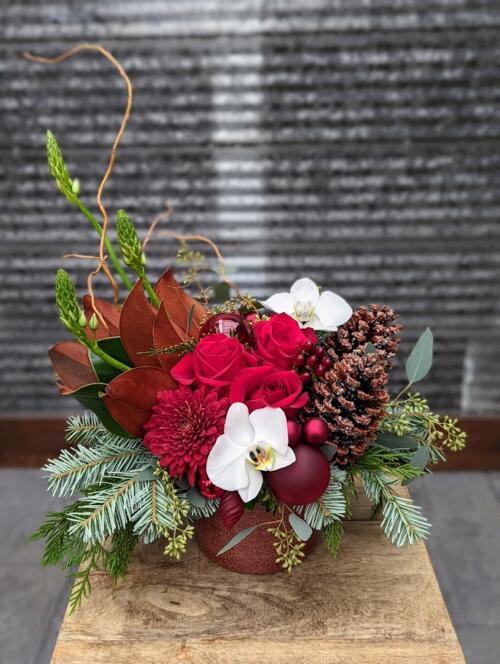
(183, 371)
(131, 396)
(136, 327)
(178, 304)
(71, 363)
(111, 314)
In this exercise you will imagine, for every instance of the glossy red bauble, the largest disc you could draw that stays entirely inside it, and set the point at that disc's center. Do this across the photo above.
(294, 432)
(316, 431)
(230, 324)
(304, 481)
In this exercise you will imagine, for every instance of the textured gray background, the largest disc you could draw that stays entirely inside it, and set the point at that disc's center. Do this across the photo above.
(353, 141)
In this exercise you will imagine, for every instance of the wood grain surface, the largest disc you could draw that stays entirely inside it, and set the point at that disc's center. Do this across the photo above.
(374, 604)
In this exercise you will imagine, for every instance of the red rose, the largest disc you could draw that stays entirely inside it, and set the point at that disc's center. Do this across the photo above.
(258, 387)
(280, 339)
(215, 361)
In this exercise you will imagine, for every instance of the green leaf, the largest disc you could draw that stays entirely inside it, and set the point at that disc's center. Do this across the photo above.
(419, 362)
(89, 397)
(195, 497)
(112, 346)
(370, 348)
(190, 317)
(328, 451)
(222, 291)
(394, 442)
(421, 457)
(147, 475)
(239, 537)
(332, 535)
(302, 529)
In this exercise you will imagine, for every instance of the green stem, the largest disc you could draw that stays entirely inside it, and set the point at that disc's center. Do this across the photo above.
(109, 247)
(149, 290)
(94, 347)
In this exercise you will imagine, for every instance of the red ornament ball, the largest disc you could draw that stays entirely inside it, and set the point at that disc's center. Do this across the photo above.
(304, 481)
(316, 431)
(294, 432)
(230, 324)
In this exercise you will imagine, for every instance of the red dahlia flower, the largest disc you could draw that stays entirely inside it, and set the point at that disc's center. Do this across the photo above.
(183, 429)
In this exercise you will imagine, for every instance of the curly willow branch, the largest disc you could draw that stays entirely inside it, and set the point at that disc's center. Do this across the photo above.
(190, 238)
(102, 265)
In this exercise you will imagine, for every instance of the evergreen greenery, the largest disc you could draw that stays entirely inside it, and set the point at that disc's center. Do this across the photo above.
(332, 536)
(331, 506)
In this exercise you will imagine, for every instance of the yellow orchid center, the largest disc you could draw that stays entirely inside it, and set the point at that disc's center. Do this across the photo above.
(261, 456)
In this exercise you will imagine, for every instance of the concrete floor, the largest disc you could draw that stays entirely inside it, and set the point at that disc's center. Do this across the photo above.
(464, 546)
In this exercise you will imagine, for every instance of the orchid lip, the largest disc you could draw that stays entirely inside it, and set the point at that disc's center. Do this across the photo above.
(304, 311)
(261, 456)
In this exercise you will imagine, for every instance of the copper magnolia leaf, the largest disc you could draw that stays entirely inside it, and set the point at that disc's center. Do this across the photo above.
(131, 396)
(71, 363)
(136, 328)
(181, 308)
(111, 314)
(166, 333)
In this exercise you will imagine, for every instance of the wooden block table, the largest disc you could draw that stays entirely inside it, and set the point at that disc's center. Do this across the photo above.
(374, 604)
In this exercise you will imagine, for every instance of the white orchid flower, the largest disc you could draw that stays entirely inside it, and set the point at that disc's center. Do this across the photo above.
(250, 444)
(325, 311)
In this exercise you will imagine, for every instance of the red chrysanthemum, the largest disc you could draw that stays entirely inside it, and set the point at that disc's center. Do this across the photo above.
(183, 429)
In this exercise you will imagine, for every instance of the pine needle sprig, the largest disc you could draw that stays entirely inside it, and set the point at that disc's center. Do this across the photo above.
(81, 467)
(403, 522)
(85, 429)
(332, 535)
(332, 504)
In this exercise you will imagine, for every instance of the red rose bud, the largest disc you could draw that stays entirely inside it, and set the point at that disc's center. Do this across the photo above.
(294, 432)
(316, 431)
(304, 481)
(230, 324)
(231, 508)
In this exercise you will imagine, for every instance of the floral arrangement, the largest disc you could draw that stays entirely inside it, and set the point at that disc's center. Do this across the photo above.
(205, 404)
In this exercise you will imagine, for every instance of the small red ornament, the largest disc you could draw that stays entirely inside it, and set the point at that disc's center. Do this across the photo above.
(294, 432)
(316, 431)
(231, 508)
(304, 481)
(230, 324)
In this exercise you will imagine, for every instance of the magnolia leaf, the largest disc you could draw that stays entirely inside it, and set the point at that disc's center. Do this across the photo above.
(195, 497)
(239, 537)
(395, 442)
(419, 362)
(370, 348)
(90, 397)
(113, 347)
(302, 529)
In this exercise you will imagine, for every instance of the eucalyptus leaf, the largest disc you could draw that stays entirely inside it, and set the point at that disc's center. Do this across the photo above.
(394, 442)
(302, 529)
(419, 361)
(420, 458)
(370, 348)
(195, 497)
(146, 475)
(190, 317)
(239, 537)
(329, 451)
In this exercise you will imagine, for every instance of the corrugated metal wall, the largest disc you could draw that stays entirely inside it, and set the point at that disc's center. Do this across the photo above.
(355, 141)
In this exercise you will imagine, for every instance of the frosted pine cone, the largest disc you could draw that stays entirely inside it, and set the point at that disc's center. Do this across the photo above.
(376, 324)
(351, 397)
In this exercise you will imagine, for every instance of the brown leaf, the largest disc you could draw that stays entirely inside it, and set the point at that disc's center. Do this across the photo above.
(131, 396)
(111, 314)
(179, 304)
(71, 363)
(166, 333)
(136, 327)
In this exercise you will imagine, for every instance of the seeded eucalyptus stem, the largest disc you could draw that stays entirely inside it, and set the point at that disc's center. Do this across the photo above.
(109, 247)
(155, 300)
